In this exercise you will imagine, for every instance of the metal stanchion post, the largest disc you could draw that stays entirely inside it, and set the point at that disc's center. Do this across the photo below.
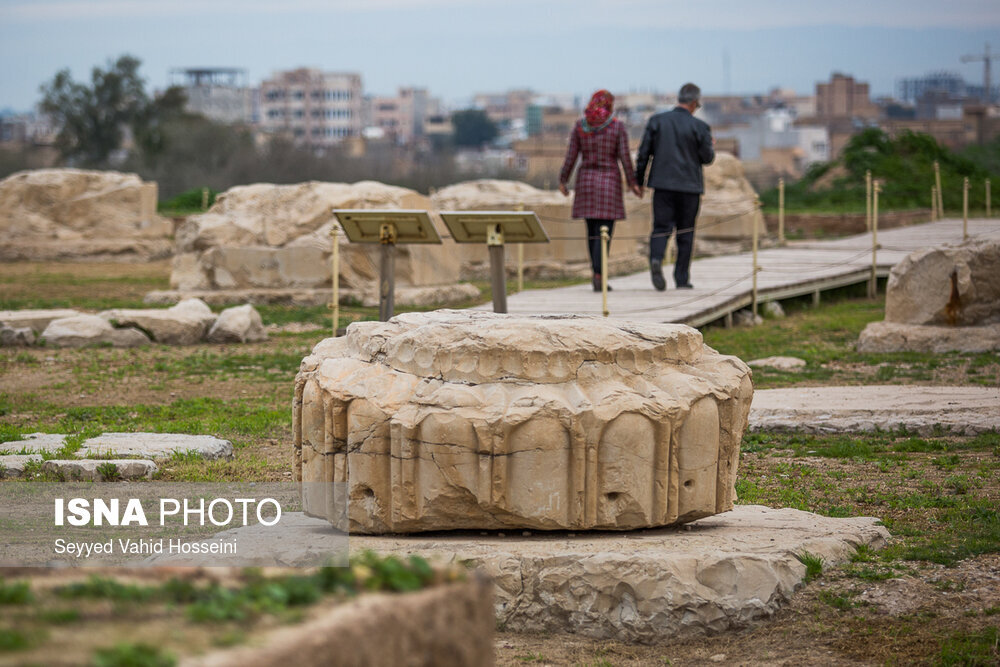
(781, 211)
(335, 277)
(868, 199)
(387, 275)
(520, 260)
(204, 199)
(965, 208)
(940, 192)
(605, 240)
(988, 202)
(933, 203)
(498, 272)
(873, 282)
(755, 268)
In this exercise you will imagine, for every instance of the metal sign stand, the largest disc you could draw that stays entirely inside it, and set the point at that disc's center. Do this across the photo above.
(387, 228)
(495, 228)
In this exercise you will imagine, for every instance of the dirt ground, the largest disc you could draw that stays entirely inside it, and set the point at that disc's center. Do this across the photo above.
(907, 612)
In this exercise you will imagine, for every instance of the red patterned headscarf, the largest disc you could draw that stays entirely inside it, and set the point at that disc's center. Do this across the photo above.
(598, 112)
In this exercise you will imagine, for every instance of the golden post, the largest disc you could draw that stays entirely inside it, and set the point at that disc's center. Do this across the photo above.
(965, 208)
(940, 192)
(933, 203)
(204, 199)
(873, 282)
(335, 278)
(605, 240)
(781, 211)
(988, 202)
(755, 267)
(868, 199)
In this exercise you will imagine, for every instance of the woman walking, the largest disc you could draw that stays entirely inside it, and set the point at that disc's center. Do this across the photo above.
(601, 142)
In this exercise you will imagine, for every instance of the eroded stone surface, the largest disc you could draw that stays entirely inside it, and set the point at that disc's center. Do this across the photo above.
(156, 445)
(82, 330)
(36, 442)
(99, 470)
(779, 363)
(728, 207)
(65, 213)
(879, 337)
(950, 285)
(462, 419)
(240, 324)
(183, 324)
(36, 319)
(20, 337)
(715, 574)
(925, 410)
(265, 236)
(12, 465)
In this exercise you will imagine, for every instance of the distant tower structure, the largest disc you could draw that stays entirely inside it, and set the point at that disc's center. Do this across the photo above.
(220, 93)
(985, 58)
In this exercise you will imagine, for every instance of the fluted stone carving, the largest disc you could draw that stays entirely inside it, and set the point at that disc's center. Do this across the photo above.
(461, 419)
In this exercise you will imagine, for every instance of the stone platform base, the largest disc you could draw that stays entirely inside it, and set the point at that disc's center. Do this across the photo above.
(711, 575)
(880, 337)
(924, 410)
(404, 296)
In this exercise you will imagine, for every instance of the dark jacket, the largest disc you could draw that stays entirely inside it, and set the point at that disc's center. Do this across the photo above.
(679, 144)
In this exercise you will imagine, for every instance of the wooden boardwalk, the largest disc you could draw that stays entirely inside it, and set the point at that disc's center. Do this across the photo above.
(723, 284)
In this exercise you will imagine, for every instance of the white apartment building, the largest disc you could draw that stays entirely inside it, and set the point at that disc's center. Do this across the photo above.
(312, 107)
(403, 118)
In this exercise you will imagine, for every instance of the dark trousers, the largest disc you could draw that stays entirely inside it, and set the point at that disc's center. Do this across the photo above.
(674, 210)
(594, 240)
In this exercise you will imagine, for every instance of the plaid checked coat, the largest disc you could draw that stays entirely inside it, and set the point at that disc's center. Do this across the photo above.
(598, 192)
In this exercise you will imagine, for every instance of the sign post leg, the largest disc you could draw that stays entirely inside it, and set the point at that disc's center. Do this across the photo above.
(387, 273)
(498, 273)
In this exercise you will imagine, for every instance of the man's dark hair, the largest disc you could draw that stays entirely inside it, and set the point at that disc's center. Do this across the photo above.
(689, 93)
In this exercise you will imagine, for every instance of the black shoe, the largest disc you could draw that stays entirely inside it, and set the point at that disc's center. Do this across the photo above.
(597, 283)
(656, 273)
(688, 286)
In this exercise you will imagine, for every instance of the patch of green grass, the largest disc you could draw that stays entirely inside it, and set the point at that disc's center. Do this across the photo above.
(13, 640)
(970, 649)
(813, 563)
(838, 600)
(133, 655)
(17, 592)
(9, 433)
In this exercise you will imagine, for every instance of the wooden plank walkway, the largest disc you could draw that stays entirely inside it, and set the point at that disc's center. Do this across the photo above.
(723, 284)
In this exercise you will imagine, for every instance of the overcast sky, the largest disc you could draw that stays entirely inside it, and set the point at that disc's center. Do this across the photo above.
(457, 48)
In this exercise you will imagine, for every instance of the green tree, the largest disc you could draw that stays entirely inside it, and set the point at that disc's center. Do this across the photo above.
(473, 128)
(93, 118)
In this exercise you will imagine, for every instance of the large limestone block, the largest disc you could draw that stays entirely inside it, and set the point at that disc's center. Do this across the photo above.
(183, 324)
(37, 320)
(948, 285)
(728, 207)
(882, 337)
(278, 236)
(75, 212)
(461, 419)
(240, 324)
(84, 330)
(566, 253)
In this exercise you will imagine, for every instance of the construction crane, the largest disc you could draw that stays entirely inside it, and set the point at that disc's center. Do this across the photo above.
(985, 58)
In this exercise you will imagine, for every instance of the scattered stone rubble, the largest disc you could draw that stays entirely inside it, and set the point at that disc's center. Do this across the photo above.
(463, 419)
(54, 214)
(190, 321)
(939, 300)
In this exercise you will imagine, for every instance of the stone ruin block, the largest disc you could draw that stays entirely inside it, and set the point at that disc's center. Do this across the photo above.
(473, 420)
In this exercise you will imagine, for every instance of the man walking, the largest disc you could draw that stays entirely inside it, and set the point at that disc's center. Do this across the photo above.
(679, 144)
